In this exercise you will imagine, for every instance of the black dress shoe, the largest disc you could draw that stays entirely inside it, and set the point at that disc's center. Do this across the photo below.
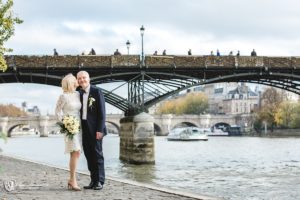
(97, 186)
(90, 186)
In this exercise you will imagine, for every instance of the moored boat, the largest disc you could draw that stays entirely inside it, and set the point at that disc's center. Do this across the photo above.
(217, 132)
(187, 134)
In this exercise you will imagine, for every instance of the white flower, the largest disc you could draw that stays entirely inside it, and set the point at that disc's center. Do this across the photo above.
(70, 125)
(91, 101)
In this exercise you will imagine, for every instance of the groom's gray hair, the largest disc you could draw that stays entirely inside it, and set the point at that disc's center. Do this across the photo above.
(83, 72)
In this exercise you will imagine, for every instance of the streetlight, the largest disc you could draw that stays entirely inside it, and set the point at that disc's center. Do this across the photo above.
(142, 29)
(128, 46)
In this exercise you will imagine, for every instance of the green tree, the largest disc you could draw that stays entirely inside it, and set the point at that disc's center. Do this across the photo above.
(7, 29)
(284, 114)
(295, 122)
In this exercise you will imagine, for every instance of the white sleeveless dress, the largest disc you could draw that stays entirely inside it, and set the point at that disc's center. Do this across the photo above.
(69, 104)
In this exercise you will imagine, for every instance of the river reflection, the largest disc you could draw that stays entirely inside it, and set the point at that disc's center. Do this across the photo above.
(229, 167)
(140, 173)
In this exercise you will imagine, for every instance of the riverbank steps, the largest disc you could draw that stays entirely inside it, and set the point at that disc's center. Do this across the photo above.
(40, 181)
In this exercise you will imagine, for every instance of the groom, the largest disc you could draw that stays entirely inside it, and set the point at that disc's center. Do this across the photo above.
(93, 129)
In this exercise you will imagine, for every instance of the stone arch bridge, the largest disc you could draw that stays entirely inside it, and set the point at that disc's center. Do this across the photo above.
(162, 123)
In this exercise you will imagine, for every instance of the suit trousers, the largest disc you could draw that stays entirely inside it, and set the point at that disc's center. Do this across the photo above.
(92, 149)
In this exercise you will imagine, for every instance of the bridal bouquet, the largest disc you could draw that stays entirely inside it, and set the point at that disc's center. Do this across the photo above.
(70, 126)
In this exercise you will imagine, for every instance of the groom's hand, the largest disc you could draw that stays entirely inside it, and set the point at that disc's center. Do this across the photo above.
(99, 135)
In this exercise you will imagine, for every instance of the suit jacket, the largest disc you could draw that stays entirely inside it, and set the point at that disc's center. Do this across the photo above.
(95, 111)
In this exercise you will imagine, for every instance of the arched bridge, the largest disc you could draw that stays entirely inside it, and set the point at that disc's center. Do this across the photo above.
(45, 124)
(158, 77)
(162, 123)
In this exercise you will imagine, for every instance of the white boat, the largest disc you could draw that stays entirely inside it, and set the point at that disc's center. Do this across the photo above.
(217, 132)
(187, 134)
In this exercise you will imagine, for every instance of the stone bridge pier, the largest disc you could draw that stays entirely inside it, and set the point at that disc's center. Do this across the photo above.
(3, 124)
(137, 139)
(43, 126)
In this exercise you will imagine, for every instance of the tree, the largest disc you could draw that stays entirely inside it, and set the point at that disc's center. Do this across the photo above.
(167, 107)
(284, 114)
(271, 100)
(193, 103)
(7, 29)
(296, 117)
(11, 111)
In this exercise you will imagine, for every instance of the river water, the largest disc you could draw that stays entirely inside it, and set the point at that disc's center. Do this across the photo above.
(230, 167)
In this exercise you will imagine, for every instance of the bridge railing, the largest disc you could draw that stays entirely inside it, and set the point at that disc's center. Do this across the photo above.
(222, 61)
(69, 61)
(171, 61)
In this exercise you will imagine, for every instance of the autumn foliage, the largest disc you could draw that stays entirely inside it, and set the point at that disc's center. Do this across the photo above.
(192, 103)
(277, 112)
(11, 111)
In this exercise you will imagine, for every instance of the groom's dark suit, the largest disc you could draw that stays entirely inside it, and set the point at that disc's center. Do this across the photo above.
(95, 122)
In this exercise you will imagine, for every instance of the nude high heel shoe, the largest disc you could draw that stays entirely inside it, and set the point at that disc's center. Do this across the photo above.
(72, 187)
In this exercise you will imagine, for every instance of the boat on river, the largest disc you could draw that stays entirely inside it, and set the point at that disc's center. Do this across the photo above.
(217, 132)
(187, 134)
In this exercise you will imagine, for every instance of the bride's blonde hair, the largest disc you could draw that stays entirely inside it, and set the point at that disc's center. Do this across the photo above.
(69, 83)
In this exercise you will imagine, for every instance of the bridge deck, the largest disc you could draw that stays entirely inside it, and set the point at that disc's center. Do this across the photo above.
(133, 61)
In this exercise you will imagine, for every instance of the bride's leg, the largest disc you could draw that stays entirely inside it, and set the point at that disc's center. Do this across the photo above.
(73, 165)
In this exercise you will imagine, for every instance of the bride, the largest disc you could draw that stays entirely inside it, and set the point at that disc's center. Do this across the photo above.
(68, 104)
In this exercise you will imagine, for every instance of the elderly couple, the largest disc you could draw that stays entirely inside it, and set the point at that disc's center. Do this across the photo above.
(88, 106)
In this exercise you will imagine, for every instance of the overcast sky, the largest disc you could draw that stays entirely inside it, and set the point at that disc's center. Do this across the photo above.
(271, 27)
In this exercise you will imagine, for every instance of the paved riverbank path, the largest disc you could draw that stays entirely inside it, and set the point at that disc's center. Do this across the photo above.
(38, 181)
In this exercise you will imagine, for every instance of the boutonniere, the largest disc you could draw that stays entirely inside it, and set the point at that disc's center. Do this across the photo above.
(91, 101)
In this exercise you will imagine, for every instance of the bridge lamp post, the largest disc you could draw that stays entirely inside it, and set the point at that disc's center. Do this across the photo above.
(128, 46)
(142, 30)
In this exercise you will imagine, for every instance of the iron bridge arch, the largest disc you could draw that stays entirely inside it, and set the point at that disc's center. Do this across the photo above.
(159, 78)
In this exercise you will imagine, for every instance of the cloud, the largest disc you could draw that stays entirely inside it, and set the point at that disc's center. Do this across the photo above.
(43, 96)
(270, 26)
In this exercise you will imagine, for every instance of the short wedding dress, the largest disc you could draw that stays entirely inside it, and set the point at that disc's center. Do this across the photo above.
(69, 104)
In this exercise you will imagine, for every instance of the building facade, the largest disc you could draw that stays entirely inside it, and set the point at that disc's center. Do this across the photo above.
(241, 100)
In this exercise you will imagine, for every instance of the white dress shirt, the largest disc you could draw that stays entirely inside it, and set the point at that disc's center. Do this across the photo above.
(85, 102)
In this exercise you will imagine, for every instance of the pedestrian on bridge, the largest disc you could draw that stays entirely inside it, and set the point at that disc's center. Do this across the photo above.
(253, 53)
(92, 52)
(190, 52)
(164, 53)
(117, 53)
(55, 52)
